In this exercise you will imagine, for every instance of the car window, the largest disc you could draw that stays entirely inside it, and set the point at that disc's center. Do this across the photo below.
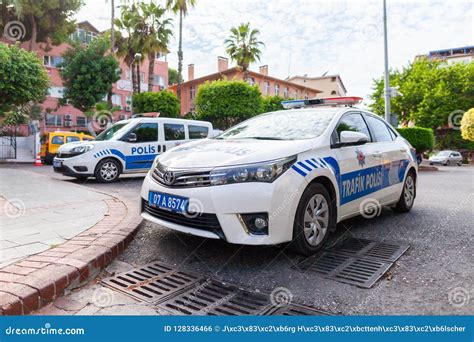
(71, 139)
(174, 132)
(379, 129)
(87, 139)
(350, 122)
(146, 132)
(197, 132)
(57, 140)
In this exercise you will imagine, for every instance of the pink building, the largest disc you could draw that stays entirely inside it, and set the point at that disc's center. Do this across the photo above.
(67, 118)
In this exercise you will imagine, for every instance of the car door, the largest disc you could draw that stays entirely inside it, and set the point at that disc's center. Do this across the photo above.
(359, 165)
(141, 145)
(174, 135)
(393, 155)
(455, 157)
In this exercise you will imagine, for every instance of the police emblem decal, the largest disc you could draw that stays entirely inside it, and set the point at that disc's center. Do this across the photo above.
(360, 157)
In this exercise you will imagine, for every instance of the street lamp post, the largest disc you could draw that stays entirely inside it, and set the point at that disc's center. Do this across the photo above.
(387, 76)
(136, 57)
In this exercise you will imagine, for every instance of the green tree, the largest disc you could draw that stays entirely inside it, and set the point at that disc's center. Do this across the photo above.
(181, 7)
(431, 91)
(88, 73)
(226, 103)
(243, 46)
(272, 103)
(23, 82)
(467, 125)
(164, 102)
(43, 19)
(174, 77)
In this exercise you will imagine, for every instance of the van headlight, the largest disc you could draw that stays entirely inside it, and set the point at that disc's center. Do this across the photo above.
(265, 172)
(81, 149)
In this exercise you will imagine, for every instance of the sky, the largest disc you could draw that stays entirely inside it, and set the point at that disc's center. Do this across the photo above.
(313, 36)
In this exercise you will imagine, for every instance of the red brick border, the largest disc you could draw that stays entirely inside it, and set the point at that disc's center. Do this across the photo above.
(32, 282)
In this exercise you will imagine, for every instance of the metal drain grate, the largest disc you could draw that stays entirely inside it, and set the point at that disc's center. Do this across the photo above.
(152, 282)
(296, 310)
(383, 250)
(213, 298)
(354, 261)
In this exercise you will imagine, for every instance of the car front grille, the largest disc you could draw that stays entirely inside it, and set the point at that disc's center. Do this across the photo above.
(182, 178)
(203, 221)
(66, 155)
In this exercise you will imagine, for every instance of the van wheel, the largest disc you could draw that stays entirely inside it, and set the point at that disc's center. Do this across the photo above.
(405, 203)
(107, 171)
(48, 159)
(314, 217)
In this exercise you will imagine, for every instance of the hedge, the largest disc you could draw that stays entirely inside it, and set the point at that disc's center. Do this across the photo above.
(164, 102)
(421, 138)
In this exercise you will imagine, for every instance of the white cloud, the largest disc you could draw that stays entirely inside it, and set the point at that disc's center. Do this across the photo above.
(339, 37)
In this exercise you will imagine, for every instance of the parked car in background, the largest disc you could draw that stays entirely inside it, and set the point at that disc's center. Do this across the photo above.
(447, 158)
(52, 141)
(129, 146)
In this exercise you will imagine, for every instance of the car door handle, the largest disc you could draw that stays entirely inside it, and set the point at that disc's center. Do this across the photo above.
(377, 154)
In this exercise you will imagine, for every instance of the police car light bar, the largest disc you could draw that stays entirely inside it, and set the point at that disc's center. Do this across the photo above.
(328, 101)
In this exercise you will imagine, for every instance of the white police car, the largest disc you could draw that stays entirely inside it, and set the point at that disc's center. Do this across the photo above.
(129, 146)
(289, 175)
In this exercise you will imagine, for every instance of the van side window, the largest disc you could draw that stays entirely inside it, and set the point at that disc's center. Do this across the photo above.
(174, 132)
(71, 139)
(198, 132)
(146, 132)
(57, 140)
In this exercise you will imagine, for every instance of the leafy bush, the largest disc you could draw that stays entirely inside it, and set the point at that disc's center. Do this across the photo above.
(272, 103)
(467, 125)
(226, 103)
(164, 102)
(450, 139)
(421, 138)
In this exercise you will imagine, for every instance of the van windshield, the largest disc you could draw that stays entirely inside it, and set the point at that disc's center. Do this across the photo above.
(114, 131)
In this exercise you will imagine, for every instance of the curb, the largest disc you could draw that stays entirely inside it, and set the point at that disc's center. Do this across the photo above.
(31, 283)
(427, 168)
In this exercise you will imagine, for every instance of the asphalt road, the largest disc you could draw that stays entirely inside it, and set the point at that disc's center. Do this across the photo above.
(435, 276)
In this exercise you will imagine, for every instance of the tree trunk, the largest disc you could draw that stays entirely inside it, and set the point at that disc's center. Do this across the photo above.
(180, 54)
(112, 28)
(34, 33)
(139, 81)
(151, 69)
(134, 79)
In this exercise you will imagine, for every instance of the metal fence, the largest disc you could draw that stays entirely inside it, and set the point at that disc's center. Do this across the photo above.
(7, 147)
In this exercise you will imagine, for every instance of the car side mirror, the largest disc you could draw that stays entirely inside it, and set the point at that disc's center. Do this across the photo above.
(132, 137)
(349, 138)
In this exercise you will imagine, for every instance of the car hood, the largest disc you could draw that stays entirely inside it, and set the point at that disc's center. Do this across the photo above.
(69, 146)
(213, 152)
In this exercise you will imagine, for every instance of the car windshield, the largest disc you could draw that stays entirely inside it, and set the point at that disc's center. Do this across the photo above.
(283, 125)
(113, 131)
(443, 154)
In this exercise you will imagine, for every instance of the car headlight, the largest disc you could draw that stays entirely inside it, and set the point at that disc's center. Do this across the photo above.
(265, 172)
(82, 149)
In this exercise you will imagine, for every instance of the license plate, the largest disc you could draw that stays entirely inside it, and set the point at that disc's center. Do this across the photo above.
(57, 163)
(166, 201)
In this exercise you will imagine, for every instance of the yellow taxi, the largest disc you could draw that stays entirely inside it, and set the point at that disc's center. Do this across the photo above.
(50, 143)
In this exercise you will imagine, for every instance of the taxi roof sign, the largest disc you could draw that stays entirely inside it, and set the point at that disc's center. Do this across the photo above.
(328, 101)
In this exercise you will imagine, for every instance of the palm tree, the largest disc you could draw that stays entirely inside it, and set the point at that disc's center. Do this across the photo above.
(243, 46)
(180, 6)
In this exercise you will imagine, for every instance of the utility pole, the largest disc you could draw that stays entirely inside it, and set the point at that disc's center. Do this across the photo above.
(387, 76)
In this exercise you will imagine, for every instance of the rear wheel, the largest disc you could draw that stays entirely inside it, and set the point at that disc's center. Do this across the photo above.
(107, 171)
(48, 159)
(448, 163)
(314, 217)
(460, 163)
(405, 203)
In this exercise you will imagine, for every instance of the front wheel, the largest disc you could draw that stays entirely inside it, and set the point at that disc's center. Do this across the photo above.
(405, 203)
(107, 171)
(314, 217)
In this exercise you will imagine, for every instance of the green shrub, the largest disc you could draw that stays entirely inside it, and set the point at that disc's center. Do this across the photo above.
(451, 139)
(164, 102)
(226, 103)
(272, 103)
(421, 138)
(467, 125)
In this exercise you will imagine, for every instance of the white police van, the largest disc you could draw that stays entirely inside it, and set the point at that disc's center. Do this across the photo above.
(289, 175)
(128, 146)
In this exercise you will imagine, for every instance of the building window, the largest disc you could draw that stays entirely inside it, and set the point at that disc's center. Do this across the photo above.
(286, 92)
(295, 94)
(82, 121)
(54, 120)
(306, 96)
(128, 74)
(159, 80)
(277, 89)
(56, 92)
(117, 100)
(192, 92)
(52, 61)
(333, 79)
(83, 36)
(266, 88)
(142, 77)
(251, 81)
(333, 92)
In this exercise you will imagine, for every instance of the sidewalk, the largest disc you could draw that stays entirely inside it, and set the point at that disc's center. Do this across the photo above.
(54, 235)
